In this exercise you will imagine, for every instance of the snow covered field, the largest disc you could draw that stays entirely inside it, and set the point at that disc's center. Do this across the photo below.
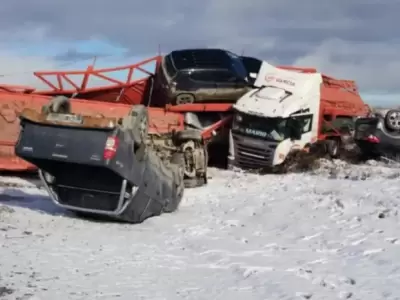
(322, 235)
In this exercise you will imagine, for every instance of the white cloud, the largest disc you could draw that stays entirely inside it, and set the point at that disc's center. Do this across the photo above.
(375, 66)
(18, 70)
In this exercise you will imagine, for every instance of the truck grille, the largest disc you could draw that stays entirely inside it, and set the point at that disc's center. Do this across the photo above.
(251, 153)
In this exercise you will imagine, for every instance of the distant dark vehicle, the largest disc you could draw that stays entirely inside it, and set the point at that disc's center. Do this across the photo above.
(379, 136)
(201, 76)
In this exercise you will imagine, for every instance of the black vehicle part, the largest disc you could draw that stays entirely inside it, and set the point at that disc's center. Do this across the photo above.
(130, 186)
(188, 135)
(374, 140)
(333, 147)
(178, 162)
(392, 120)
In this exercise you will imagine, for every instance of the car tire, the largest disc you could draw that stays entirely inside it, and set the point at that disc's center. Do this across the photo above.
(185, 98)
(392, 120)
(58, 104)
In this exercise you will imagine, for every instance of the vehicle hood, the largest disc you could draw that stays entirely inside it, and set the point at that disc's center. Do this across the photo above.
(280, 93)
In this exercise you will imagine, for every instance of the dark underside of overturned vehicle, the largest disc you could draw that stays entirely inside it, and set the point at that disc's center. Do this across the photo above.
(100, 171)
(378, 137)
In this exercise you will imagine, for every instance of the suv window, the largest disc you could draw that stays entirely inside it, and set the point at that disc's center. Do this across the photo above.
(169, 66)
(238, 65)
(251, 64)
(213, 76)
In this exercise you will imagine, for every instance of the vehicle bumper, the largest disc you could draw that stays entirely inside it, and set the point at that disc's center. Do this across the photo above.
(114, 208)
(251, 153)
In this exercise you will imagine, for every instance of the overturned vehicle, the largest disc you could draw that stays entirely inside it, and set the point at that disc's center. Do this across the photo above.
(100, 166)
(378, 136)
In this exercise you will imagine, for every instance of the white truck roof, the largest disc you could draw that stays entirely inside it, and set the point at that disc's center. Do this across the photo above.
(279, 93)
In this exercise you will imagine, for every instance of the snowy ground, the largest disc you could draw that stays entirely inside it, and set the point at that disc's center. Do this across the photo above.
(324, 235)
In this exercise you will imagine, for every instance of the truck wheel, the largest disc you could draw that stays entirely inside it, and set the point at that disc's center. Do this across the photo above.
(392, 119)
(178, 165)
(188, 134)
(333, 148)
(58, 104)
(198, 181)
(138, 122)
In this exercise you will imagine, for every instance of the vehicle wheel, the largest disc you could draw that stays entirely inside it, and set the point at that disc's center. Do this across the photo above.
(178, 165)
(392, 119)
(59, 104)
(333, 148)
(193, 182)
(138, 122)
(189, 134)
(185, 99)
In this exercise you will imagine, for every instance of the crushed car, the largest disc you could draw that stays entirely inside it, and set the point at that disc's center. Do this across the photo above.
(378, 135)
(100, 165)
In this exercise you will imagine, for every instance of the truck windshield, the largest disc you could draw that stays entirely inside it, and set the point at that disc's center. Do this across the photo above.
(267, 128)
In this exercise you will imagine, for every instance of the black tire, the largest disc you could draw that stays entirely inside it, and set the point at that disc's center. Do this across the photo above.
(138, 122)
(178, 163)
(392, 120)
(188, 134)
(59, 104)
(333, 148)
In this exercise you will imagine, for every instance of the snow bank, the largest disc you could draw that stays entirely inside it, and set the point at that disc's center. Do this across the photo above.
(293, 236)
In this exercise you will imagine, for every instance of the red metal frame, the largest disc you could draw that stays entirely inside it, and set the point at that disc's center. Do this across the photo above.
(102, 100)
(62, 76)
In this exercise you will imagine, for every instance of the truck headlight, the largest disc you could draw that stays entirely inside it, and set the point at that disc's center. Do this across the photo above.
(238, 118)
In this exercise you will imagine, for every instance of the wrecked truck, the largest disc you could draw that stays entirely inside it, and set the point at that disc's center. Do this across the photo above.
(100, 165)
(292, 110)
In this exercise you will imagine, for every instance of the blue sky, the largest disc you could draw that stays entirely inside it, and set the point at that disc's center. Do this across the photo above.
(355, 39)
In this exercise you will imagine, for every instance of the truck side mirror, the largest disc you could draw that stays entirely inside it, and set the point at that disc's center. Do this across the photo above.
(295, 129)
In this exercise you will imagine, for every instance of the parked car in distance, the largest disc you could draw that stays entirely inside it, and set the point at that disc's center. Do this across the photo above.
(201, 76)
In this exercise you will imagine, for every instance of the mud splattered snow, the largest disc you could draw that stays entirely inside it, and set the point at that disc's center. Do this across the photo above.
(330, 234)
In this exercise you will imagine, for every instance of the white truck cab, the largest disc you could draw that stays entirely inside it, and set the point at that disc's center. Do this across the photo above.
(279, 115)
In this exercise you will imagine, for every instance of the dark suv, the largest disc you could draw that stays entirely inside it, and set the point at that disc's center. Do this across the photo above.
(201, 75)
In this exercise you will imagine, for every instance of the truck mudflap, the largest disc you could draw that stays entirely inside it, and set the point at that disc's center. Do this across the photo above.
(100, 171)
